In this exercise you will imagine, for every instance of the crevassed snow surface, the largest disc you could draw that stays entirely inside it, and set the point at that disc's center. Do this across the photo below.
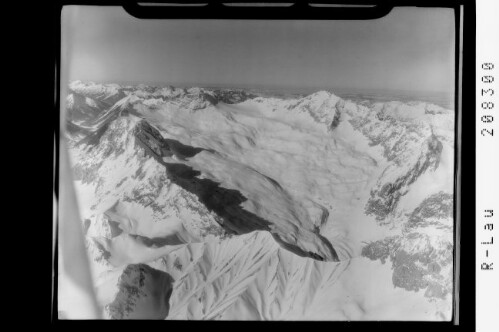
(222, 204)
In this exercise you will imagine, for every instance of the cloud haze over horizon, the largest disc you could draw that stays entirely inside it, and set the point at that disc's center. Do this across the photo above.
(409, 49)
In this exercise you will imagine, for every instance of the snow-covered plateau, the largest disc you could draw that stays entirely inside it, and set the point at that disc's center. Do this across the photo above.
(200, 203)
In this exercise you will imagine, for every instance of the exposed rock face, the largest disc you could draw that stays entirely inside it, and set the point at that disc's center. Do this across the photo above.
(232, 96)
(420, 260)
(336, 120)
(385, 196)
(409, 144)
(141, 286)
(432, 211)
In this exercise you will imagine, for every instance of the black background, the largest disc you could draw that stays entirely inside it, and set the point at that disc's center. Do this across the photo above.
(34, 115)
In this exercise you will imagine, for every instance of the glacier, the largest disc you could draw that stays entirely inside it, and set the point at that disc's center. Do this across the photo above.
(209, 203)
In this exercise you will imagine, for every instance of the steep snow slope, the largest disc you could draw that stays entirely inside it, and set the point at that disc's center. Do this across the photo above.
(251, 277)
(263, 208)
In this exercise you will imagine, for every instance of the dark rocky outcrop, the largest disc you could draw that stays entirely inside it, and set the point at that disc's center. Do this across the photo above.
(143, 293)
(384, 199)
(417, 260)
(230, 96)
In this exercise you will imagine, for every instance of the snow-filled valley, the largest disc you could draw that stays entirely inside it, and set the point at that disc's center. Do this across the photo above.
(202, 203)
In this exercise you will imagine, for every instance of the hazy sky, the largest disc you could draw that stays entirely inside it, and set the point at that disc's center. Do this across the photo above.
(409, 49)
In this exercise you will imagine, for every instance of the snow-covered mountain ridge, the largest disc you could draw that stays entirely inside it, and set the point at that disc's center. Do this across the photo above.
(236, 206)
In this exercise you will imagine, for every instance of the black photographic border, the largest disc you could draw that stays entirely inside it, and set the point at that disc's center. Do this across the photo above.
(465, 134)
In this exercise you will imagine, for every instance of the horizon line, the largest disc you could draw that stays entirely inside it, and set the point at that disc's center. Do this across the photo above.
(257, 87)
